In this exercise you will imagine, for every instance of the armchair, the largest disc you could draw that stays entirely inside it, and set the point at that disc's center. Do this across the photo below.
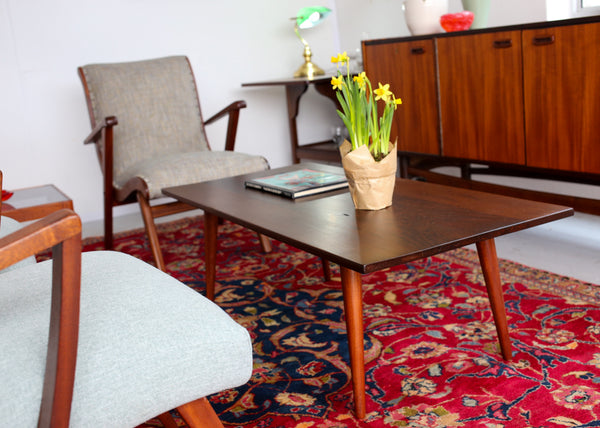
(160, 140)
(104, 339)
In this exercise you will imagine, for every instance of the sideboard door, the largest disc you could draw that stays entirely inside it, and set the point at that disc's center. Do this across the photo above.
(562, 97)
(481, 96)
(409, 68)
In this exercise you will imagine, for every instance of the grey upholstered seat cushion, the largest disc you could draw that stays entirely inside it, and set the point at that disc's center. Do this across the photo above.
(8, 226)
(147, 343)
(185, 168)
(160, 136)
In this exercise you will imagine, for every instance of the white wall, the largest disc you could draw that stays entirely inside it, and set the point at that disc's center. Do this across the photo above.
(561, 9)
(43, 117)
(375, 19)
(43, 114)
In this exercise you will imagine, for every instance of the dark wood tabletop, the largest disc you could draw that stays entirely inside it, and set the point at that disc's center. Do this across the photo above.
(424, 219)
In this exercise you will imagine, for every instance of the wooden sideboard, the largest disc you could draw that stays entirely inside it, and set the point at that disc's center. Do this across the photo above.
(517, 100)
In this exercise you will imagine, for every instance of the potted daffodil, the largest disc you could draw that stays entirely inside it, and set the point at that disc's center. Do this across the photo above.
(369, 158)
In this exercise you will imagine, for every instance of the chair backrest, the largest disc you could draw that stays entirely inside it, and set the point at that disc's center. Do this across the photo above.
(156, 103)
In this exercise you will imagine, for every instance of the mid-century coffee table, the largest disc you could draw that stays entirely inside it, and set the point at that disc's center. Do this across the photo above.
(425, 219)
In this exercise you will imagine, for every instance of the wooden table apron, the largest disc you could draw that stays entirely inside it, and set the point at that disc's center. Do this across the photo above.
(425, 219)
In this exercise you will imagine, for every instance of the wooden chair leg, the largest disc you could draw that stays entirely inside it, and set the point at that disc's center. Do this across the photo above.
(151, 231)
(265, 243)
(199, 414)
(326, 269)
(108, 223)
(167, 420)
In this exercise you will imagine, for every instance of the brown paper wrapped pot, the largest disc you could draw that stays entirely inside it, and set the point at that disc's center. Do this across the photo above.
(371, 183)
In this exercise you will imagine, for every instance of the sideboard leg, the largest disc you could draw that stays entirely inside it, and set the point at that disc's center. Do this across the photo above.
(403, 162)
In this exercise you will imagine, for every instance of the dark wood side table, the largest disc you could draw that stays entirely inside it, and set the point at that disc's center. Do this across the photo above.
(35, 202)
(326, 151)
(425, 219)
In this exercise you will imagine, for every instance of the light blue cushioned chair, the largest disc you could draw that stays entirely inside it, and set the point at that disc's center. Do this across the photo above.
(8, 226)
(160, 140)
(126, 340)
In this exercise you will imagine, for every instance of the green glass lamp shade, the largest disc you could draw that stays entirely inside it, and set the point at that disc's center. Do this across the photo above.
(308, 17)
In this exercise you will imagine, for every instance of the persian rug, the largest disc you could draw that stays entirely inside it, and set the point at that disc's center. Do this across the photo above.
(431, 349)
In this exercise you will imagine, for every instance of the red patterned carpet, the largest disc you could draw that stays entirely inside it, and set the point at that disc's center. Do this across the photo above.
(431, 346)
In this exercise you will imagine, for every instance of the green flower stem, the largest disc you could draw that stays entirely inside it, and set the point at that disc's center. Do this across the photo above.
(359, 110)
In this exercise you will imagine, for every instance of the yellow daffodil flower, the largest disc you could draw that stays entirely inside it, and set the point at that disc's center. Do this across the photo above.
(383, 92)
(337, 82)
(340, 58)
(366, 121)
(361, 79)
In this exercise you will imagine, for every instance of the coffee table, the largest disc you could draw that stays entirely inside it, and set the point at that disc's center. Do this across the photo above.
(425, 219)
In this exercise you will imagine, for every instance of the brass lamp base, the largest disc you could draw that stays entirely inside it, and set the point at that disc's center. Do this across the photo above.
(308, 69)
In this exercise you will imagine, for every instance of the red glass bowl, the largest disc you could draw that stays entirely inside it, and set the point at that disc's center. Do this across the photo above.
(457, 21)
(6, 195)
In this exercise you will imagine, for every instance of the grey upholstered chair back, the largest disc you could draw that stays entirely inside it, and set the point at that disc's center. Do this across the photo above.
(154, 101)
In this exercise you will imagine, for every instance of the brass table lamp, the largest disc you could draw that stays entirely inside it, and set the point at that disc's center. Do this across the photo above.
(308, 17)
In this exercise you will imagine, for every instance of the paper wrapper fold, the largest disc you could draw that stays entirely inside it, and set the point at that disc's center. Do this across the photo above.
(371, 183)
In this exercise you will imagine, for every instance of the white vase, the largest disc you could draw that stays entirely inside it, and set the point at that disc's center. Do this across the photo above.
(423, 16)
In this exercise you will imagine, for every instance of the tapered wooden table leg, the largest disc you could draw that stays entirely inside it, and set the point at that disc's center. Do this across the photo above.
(211, 223)
(352, 288)
(491, 272)
(326, 269)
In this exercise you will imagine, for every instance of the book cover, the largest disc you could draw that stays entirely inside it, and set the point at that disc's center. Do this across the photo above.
(295, 184)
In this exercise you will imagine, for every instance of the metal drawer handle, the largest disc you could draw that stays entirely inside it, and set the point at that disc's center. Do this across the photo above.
(417, 51)
(503, 44)
(543, 40)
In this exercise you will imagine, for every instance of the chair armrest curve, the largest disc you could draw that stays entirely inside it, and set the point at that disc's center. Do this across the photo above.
(39, 236)
(234, 106)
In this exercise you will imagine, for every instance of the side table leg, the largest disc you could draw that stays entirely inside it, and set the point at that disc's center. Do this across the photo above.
(491, 272)
(352, 289)
(211, 223)
(293, 94)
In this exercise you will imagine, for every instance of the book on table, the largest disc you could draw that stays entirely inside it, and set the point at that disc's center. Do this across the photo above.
(296, 184)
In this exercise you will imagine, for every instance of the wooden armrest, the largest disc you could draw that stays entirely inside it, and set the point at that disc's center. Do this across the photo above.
(61, 231)
(39, 236)
(96, 133)
(234, 106)
(233, 110)
(104, 131)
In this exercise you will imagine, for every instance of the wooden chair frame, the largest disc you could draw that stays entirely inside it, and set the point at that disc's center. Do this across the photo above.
(102, 136)
(61, 231)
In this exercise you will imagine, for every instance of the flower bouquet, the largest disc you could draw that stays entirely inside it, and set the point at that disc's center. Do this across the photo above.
(369, 158)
